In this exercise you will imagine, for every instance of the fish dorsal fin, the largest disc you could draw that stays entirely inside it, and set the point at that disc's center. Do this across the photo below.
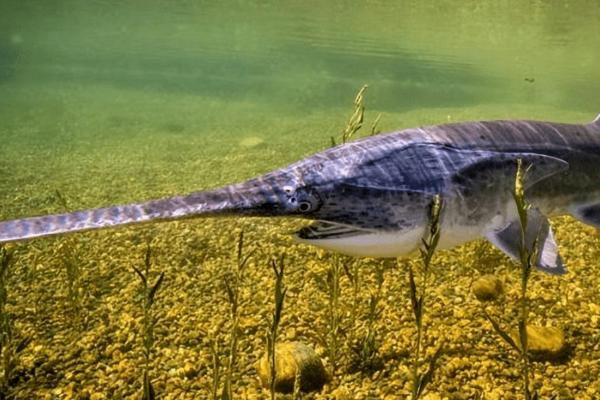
(508, 240)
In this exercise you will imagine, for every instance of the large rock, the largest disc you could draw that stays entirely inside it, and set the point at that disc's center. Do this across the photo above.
(545, 343)
(487, 288)
(291, 358)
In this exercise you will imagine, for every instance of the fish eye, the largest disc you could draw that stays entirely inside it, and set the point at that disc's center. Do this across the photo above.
(304, 206)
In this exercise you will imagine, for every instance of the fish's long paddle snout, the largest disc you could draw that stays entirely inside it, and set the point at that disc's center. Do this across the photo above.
(28, 228)
(248, 198)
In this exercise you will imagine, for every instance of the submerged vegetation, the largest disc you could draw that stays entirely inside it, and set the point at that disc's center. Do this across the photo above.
(418, 297)
(271, 336)
(525, 259)
(147, 293)
(233, 284)
(11, 344)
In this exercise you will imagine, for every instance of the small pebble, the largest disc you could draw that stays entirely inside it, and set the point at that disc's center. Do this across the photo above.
(487, 288)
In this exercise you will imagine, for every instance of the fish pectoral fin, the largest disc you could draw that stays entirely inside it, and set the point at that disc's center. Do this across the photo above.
(508, 240)
(588, 214)
(328, 230)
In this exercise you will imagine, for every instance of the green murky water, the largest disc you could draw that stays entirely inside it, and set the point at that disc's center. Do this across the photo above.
(124, 89)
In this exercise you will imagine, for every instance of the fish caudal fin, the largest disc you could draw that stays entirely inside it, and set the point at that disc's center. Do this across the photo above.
(508, 240)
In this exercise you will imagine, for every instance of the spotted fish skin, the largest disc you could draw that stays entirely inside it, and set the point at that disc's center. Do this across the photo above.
(372, 196)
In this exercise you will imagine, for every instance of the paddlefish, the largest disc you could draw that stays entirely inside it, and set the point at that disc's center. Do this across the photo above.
(372, 197)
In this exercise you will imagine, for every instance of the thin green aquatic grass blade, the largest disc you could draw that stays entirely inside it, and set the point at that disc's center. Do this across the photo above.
(415, 300)
(427, 377)
(233, 282)
(154, 288)
(216, 370)
(356, 119)
(505, 336)
(148, 393)
(279, 296)
(148, 297)
(140, 275)
(374, 130)
(427, 250)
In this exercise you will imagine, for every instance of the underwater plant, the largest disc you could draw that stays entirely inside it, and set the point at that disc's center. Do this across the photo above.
(355, 122)
(333, 310)
(352, 271)
(67, 252)
(418, 295)
(356, 119)
(233, 282)
(365, 351)
(526, 259)
(10, 345)
(148, 294)
(279, 296)
(374, 125)
(216, 369)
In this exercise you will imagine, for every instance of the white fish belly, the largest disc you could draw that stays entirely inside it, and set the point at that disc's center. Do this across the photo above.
(372, 244)
(394, 244)
(456, 230)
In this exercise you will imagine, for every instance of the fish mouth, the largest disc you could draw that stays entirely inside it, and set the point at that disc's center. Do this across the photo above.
(322, 230)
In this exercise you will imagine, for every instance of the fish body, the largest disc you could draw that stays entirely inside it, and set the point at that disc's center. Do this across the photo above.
(371, 197)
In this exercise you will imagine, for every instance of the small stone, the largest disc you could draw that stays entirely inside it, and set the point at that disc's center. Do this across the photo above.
(290, 334)
(545, 343)
(487, 288)
(189, 371)
(292, 358)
